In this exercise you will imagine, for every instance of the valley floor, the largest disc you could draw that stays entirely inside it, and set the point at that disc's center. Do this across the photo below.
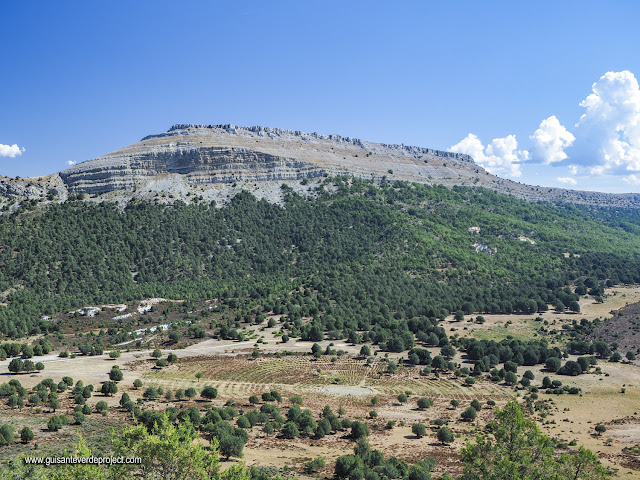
(611, 398)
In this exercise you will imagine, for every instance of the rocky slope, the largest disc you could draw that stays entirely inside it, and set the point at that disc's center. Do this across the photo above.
(212, 161)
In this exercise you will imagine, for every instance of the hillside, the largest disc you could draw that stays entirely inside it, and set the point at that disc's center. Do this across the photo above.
(216, 161)
(355, 250)
(621, 328)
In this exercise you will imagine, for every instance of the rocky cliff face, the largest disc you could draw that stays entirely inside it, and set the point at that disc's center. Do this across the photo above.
(212, 161)
(199, 166)
(217, 154)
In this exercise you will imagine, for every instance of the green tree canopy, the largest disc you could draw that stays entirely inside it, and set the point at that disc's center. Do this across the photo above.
(513, 447)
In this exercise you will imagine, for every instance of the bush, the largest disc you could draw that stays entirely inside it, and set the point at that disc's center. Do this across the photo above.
(55, 423)
(615, 357)
(444, 435)
(424, 403)
(6, 434)
(16, 365)
(476, 404)
(78, 418)
(243, 422)
(268, 428)
(510, 378)
(314, 465)
(290, 430)
(469, 414)
(552, 364)
(359, 430)
(419, 430)
(402, 398)
(231, 446)
(209, 393)
(276, 395)
(349, 466)
(26, 435)
(115, 374)
(102, 407)
(109, 388)
(510, 366)
(570, 368)
(151, 393)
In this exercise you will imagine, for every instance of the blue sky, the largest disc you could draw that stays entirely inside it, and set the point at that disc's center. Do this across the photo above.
(81, 79)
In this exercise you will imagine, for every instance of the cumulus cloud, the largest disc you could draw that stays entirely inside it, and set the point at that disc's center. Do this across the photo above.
(549, 141)
(567, 180)
(632, 179)
(604, 141)
(500, 157)
(608, 133)
(11, 151)
(70, 162)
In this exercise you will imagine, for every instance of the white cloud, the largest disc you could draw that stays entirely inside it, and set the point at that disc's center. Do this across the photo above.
(608, 133)
(500, 157)
(605, 141)
(70, 162)
(632, 179)
(550, 141)
(11, 151)
(567, 180)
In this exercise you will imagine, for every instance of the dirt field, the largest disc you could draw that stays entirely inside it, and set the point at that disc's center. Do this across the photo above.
(525, 327)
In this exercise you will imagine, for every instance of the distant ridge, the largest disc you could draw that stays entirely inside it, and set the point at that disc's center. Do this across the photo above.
(283, 133)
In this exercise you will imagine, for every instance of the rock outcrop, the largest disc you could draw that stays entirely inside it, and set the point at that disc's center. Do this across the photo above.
(200, 166)
(211, 162)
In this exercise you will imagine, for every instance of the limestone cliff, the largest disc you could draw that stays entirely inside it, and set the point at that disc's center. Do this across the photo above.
(212, 161)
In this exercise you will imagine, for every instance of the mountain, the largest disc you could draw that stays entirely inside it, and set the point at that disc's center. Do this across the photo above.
(214, 161)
